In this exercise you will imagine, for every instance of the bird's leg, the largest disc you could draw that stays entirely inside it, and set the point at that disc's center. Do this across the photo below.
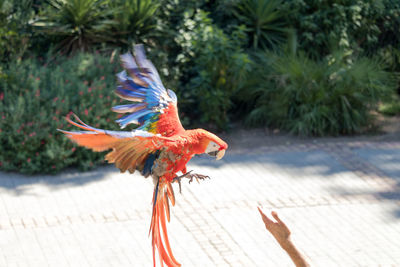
(178, 178)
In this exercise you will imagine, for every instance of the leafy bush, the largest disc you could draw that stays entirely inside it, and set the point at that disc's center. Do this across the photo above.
(389, 40)
(172, 39)
(135, 20)
(217, 69)
(265, 22)
(349, 24)
(77, 24)
(14, 35)
(392, 107)
(34, 100)
(332, 96)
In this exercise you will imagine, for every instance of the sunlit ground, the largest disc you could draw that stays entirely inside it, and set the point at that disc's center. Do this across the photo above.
(341, 201)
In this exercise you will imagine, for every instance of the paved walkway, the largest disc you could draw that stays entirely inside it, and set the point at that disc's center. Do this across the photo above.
(340, 199)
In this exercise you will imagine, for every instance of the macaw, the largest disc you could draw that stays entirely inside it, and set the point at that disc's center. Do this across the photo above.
(159, 147)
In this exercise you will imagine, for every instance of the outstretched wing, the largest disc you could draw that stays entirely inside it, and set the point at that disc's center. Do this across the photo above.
(135, 150)
(154, 107)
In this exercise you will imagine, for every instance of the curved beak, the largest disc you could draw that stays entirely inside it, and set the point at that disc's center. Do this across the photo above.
(220, 154)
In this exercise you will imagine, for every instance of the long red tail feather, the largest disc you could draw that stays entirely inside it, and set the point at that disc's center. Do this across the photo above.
(166, 205)
(159, 235)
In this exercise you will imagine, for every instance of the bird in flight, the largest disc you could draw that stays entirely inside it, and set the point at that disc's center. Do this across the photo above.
(159, 147)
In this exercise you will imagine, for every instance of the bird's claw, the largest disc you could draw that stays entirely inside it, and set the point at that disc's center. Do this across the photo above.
(197, 177)
(190, 176)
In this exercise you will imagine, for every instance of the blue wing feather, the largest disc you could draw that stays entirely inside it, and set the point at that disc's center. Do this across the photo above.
(133, 118)
(129, 108)
(146, 64)
(141, 83)
(125, 92)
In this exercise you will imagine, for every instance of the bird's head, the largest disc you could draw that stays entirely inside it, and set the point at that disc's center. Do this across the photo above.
(215, 150)
(212, 145)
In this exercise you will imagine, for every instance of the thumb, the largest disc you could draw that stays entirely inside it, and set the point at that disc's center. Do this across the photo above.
(276, 217)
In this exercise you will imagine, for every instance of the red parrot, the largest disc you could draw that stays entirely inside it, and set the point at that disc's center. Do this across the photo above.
(159, 147)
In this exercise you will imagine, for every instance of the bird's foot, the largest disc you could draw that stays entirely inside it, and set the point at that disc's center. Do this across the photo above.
(197, 177)
(190, 176)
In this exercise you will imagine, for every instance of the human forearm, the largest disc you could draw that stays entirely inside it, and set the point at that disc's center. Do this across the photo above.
(296, 256)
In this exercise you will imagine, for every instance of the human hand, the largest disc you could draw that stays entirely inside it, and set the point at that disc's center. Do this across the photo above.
(281, 233)
(278, 229)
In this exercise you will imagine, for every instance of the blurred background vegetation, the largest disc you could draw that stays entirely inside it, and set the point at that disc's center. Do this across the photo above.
(309, 67)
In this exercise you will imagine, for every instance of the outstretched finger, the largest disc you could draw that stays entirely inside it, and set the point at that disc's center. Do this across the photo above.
(262, 213)
(264, 217)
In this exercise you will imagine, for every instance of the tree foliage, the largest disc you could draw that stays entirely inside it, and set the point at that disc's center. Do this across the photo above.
(219, 69)
(77, 24)
(14, 33)
(272, 62)
(134, 21)
(307, 97)
(34, 99)
(265, 22)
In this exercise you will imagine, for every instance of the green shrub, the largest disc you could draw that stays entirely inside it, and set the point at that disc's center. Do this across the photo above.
(134, 21)
(169, 39)
(14, 34)
(327, 97)
(218, 68)
(392, 107)
(265, 23)
(350, 25)
(34, 100)
(77, 24)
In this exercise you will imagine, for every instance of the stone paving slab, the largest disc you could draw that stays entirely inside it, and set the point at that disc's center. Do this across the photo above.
(340, 200)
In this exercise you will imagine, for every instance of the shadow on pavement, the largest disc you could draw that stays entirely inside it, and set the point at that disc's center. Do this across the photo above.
(376, 171)
(21, 184)
(318, 162)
